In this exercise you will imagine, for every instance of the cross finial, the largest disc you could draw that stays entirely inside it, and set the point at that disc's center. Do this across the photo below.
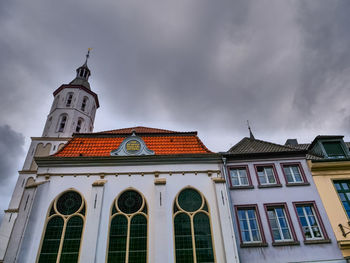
(88, 55)
(251, 136)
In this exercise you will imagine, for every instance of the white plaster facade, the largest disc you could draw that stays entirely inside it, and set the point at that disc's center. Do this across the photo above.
(52, 181)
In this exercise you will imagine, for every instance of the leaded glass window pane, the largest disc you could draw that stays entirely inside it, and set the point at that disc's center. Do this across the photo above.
(71, 243)
(138, 239)
(204, 248)
(130, 202)
(183, 238)
(190, 200)
(51, 240)
(69, 203)
(118, 239)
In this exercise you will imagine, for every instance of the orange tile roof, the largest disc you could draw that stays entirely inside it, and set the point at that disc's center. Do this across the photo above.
(162, 142)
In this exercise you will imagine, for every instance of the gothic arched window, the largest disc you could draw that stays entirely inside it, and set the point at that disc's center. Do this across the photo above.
(192, 227)
(62, 122)
(127, 240)
(69, 99)
(79, 125)
(84, 103)
(64, 228)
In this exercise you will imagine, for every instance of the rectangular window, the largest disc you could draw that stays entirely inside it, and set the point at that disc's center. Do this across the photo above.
(343, 189)
(293, 173)
(310, 221)
(249, 225)
(280, 223)
(267, 175)
(334, 149)
(239, 176)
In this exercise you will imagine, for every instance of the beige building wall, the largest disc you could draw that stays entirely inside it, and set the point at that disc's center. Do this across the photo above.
(324, 173)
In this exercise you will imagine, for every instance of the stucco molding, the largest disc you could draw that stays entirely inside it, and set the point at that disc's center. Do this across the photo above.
(33, 185)
(99, 183)
(50, 161)
(11, 210)
(336, 166)
(160, 181)
(154, 173)
(219, 180)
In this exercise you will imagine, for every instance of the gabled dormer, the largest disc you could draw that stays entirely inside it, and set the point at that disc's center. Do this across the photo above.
(329, 147)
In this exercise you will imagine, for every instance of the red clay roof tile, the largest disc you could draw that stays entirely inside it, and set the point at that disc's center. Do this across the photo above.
(162, 142)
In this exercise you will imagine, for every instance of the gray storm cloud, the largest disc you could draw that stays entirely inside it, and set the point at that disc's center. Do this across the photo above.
(183, 65)
(11, 150)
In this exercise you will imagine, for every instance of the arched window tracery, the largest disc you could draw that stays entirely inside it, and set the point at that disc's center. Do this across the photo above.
(192, 228)
(128, 231)
(84, 103)
(69, 99)
(64, 228)
(62, 122)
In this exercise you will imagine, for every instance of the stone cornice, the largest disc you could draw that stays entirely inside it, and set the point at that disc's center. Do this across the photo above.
(331, 167)
(154, 173)
(50, 161)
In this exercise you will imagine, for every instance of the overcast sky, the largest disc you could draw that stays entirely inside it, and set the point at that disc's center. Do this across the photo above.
(181, 65)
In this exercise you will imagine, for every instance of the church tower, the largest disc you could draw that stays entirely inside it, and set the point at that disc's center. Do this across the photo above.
(72, 111)
(74, 106)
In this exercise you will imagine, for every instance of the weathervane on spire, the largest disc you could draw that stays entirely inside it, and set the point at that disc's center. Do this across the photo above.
(88, 55)
(251, 136)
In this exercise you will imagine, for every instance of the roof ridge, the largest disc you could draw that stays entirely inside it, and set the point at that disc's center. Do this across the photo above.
(155, 130)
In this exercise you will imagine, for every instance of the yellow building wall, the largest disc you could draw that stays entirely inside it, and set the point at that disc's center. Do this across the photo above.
(323, 174)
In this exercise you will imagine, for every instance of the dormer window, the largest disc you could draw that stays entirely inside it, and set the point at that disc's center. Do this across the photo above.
(334, 149)
(84, 103)
(69, 99)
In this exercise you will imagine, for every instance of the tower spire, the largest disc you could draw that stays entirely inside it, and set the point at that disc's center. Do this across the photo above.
(83, 73)
(251, 136)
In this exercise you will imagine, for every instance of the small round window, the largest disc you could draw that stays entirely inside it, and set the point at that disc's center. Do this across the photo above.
(190, 200)
(69, 203)
(130, 202)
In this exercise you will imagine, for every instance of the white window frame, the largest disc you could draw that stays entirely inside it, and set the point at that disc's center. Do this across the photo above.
(289, 166)
(308, 222)
(279, 224)
(265, 174)
(239, 176)
(245, 210)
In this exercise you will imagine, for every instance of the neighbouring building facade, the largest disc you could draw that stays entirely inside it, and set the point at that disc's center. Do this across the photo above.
(128, 195)
(278, 213)
(329, 161)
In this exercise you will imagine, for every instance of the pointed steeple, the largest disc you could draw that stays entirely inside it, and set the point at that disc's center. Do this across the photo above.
(83, 74)
(251, 136)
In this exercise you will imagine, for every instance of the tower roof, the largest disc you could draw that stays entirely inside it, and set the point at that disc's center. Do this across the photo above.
(83, 74)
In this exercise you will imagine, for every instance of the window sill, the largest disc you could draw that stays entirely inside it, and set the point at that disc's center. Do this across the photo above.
(247, 245)
(285, 243)
(317, 241)
(242, 187)
(297, 184)
(269, 185)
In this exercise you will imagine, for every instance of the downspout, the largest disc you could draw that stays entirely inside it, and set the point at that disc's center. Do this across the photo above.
(224, 169)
